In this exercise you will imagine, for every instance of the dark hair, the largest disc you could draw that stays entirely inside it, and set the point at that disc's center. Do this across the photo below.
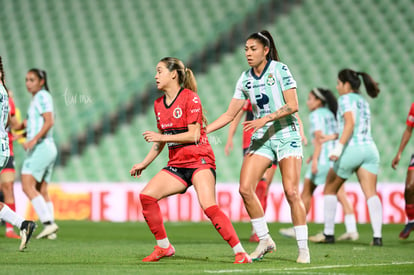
(41, 74)
(352, 77)
(327, 97)
(2, 74)
(186, 78)
(266, 39)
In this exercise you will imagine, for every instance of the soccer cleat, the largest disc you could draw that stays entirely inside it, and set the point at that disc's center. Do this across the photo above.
(52, 236)
(254, 238)
(47, 230)
(26, 231)
(242, 258)
(265, 246)
(376, 242)
(405, 233)
(322, 238)
(159, 253)
(349, 236)
(12, 235)
(288, 232)
(303, 256)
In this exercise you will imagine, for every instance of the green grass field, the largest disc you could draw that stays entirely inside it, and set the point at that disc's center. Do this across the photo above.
(117, 248)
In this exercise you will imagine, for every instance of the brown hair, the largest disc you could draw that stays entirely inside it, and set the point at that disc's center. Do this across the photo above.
(186, 78)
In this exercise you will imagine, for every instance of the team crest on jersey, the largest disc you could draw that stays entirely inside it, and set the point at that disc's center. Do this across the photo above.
(270, 80)
(177, 113)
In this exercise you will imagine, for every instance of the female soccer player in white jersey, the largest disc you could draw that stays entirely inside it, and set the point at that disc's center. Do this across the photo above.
(272, 91)
(355, 151)
(26, 227)
(323, 106)
(180, 120)
(40, 149)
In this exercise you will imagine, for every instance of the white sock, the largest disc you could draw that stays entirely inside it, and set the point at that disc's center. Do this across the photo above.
(260, 227)
(10, 216)
(163, 243)
(51, 210)
(39, 204)
(238, 248)
(350, 223)
(375, 214)
(301, 232)
(329, 204)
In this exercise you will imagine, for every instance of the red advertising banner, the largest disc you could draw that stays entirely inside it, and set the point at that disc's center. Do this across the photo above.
(119, 202)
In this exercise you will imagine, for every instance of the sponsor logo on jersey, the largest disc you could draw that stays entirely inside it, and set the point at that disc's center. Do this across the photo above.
(177, 113)
(294, 144)
(195, 99)
(248, 85)
(167, 125)
(261, 100)
(158, 116)
(270, 80)
(195, 110)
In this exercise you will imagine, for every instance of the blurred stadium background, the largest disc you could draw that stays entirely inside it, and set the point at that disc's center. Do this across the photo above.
(100, 58)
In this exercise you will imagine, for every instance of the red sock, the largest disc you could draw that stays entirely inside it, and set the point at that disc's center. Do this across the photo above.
(409, 210)
(261, 192)
(152, 214)
(222, 224)
(13, 208)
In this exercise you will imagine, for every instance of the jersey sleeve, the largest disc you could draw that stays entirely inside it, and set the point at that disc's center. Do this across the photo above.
(286, 80)
(410, 117)
(345, 104)
(239, 93)
(194, 109)
(316, 122)
(45, 103)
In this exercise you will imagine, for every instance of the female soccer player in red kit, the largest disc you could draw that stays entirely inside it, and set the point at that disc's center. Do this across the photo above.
(180, 121)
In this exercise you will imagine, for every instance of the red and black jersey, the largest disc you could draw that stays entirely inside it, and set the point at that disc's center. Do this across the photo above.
(174, 119)
(12, 111)
(247, 135)
(410, 117)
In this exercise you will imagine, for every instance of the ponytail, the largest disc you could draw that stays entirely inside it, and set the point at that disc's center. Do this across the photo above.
(266, 39)
(186, 78)
(352, 77)
(327, 97)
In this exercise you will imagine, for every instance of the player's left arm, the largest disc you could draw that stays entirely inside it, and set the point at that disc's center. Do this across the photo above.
(47, 124)
(404, 140)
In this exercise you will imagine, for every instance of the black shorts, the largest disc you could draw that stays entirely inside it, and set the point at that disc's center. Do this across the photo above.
(411, 165)
(9, 166)
(186, 174)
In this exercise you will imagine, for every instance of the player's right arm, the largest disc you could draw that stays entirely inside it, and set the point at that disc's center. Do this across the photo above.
(234, 108)
(404, 140)
(232, 130)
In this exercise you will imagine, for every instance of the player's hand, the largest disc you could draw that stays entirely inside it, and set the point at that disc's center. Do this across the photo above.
(151, 136)
(137, 170)
(395, 161)
(254, 124)
(228, 148)
(28, 145)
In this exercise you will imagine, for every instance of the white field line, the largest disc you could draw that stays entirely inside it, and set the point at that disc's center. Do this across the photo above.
(287, 269)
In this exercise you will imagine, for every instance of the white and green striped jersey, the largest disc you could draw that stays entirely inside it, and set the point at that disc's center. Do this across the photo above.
(322, 119)
(41, 103)
(266, 95)
(355, 103)
(4, 101)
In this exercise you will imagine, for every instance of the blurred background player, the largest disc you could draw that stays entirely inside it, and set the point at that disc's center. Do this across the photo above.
(272, 91)
(355, 151)
(409, 181)
(322, 120)
(7, 214)
(41, 151)
(262, 189)
(180, 120)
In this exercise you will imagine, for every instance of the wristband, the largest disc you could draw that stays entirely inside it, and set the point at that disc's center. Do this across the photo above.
(337, 151)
